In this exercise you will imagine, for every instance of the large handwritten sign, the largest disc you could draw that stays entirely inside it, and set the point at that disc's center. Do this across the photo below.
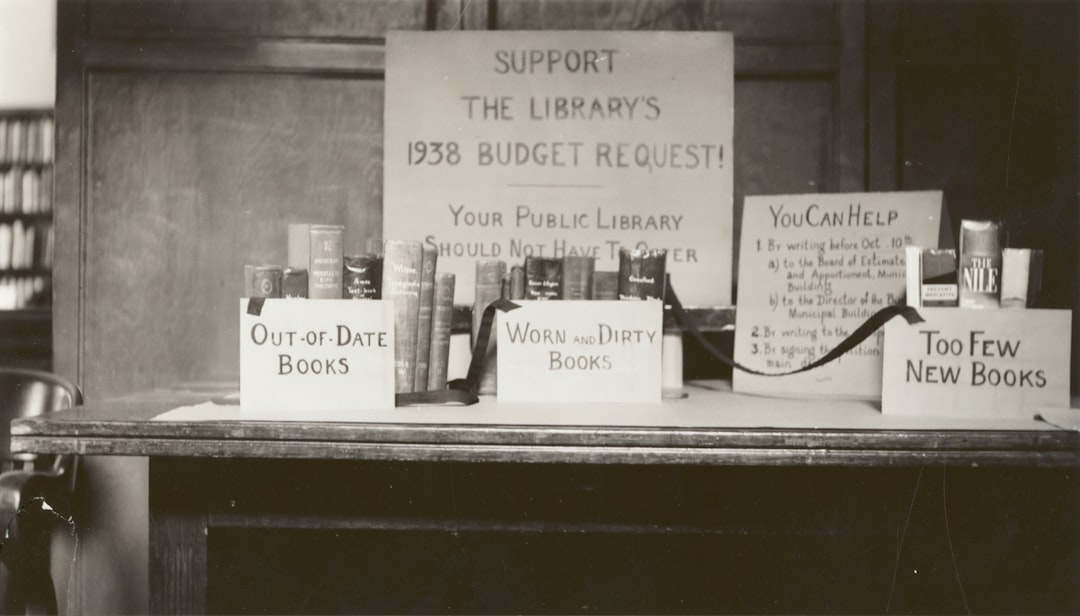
(983, 363)
(812, 268)
(302, 355)
(581, 351)
(508, 144)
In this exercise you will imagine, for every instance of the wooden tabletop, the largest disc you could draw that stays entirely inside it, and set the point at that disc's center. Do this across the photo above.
(707, 425)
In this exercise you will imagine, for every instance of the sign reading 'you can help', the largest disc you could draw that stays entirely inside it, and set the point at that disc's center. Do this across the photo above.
(502, 145)
(307, 355)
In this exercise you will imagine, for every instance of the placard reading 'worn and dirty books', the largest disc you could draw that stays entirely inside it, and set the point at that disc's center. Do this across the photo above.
(814, 267)
(501, 145)
(581, 351)
(330, 354)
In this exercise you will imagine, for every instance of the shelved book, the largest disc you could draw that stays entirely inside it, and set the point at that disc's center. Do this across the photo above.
(402, 265)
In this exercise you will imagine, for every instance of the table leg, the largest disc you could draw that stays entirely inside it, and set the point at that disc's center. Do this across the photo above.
(177, 549)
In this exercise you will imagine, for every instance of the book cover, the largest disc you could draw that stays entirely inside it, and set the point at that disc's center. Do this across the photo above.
(937, 281)
(578, 277)
(980, 264)
(362, 278)
(429, 259)
(543, 278)
(402, 261)
(489, 274)
(642, 273)
(326, 266)
(605, 285)
(266, 281)
(517, 282)
(294, 283)
(1021, 277)
(442, 318)
(299, 246)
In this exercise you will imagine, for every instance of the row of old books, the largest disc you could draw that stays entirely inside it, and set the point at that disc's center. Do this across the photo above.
(25, 190)
(19, 292)
(25, 245)
(985, 275)
(26, 140)
(398, 270)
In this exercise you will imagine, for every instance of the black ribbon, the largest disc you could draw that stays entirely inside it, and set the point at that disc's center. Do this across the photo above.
(871, 325)
(463, 391)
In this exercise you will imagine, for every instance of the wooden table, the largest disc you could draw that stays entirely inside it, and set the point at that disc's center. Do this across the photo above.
(710, 469)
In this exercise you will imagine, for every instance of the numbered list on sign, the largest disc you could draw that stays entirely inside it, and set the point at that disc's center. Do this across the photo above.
(812, 269)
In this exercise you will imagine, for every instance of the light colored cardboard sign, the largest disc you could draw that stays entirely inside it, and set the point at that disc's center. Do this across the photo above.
(1001, 363)
(328, 354)
(505, 144)
(814, 267)
(580, 351)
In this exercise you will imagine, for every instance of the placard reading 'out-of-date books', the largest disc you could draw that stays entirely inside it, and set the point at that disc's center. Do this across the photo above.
(300, 355)
(814, 267)
(581, 351)
(1004, 363)
(501, 145)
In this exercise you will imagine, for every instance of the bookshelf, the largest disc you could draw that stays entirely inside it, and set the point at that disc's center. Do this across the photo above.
(26, 237)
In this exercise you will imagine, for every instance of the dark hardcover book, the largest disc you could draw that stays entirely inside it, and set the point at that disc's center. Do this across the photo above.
(489, 275)
(937, 285)
(517, 282)
(1021, 277)
(294, 283)
(605, 285)
(642, 273)
(429, 259)
(442, 318)
(980, 264)
(327, 261)
(362, 277)
(402, 262)
(543, 278)
(578, 277)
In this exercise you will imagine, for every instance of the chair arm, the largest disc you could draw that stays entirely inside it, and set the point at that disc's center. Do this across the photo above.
(19, 487)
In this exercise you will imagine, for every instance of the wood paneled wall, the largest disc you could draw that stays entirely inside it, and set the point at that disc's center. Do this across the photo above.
(190, 132)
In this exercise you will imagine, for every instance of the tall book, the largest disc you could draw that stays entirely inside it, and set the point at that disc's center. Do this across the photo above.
(517, 282)
(442, 318)
(299, 246)
(402, 262)
(543, 278)
(642, 273)
(980, 264)
(578, 274)
(489, 275)
(325, 272)
(1021, 277)
(429, 259)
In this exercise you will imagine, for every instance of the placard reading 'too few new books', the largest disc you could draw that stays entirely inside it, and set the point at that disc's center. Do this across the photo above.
(581, 351)
(302, 355)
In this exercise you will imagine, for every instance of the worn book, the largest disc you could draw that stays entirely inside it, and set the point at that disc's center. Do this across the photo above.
(402, 262)
(489, 275)
(442, 318)
(362, 278)
(543, 278)
(980, 264)
(642, 273)
(578, 272)
(605, 285)
(429, 259)
(517, 282)
(294, 283)
(325, 269)
(298, 245)
(1021, 277)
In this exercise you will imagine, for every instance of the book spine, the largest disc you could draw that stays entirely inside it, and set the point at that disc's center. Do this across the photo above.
(489, 274)
(937, 282)
(249, 275)
(913, 275)
(543, 278)
(402, 261)
(642, 273)
(326, 266)
(980, 264)
(429, 259)
(442, 317)
(517, 282)
(294, 283)
(362, 278)
(578, 277)
(1021, 277)
(605, 285)
(299, 246)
